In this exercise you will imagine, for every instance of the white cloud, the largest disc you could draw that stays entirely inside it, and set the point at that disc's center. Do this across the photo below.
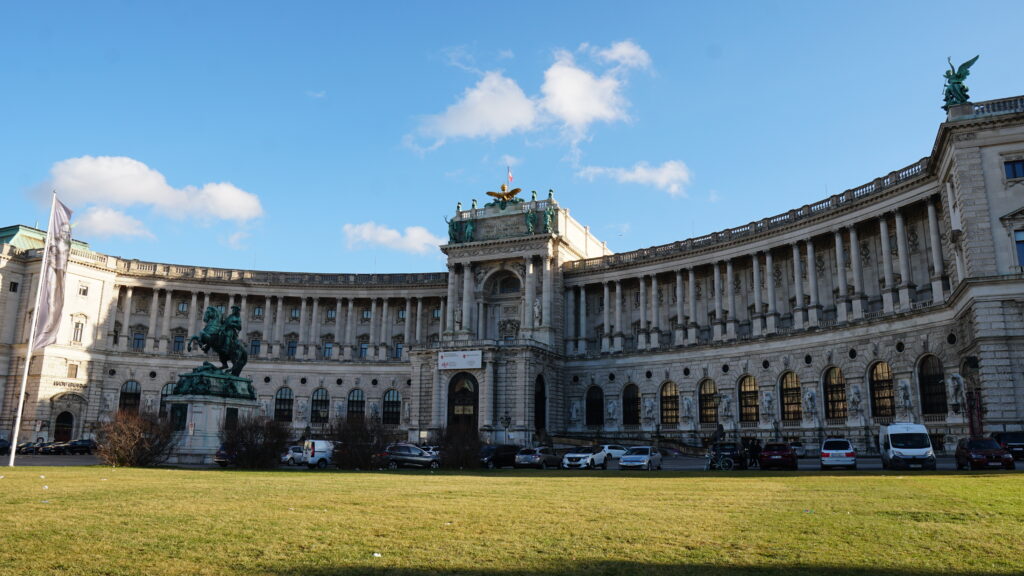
(104, 181)
(107, 222)
(672, 176)
(495, 107)
(713, 197)
(506, 54)
(626, 54)
(317, 95)
(509, 160)
(578, 98)
(237, 240)
(415, 239)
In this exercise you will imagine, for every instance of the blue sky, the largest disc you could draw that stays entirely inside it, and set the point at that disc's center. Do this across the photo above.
(335, 137)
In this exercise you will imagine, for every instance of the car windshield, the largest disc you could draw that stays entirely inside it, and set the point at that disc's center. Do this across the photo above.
(486, 450)
(775, 448)
(641, 451)
(983, 444)
(584, 450)
(914, 440)
(835, 445)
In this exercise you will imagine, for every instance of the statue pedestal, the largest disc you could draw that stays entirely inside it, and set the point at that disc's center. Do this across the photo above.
(203, 403)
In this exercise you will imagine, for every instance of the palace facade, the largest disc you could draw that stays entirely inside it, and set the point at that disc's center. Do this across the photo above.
(901, 299)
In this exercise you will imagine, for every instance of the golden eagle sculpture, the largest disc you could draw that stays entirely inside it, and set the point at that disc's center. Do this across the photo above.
(505, 195)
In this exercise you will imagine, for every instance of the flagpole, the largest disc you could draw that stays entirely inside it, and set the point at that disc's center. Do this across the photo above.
(32, 334)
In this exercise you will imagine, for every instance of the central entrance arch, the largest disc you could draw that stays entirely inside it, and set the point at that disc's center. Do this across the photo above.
(463, 401)
(64, 426)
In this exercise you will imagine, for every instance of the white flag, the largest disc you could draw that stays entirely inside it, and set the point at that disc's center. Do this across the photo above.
(51, 284)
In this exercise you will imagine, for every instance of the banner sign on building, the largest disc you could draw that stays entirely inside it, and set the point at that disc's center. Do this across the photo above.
(460, 360)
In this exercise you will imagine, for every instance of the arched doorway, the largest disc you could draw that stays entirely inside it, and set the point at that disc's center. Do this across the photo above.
(463, 401)
(64, 427)
(540, 404)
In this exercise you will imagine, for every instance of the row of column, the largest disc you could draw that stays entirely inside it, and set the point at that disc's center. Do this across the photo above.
(380, 325)
(466, 316)
(806, 310)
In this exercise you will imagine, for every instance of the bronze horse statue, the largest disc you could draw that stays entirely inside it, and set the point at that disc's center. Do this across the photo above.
(220, 334)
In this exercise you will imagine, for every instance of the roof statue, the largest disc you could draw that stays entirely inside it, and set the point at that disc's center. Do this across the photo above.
(956, 90)
(506, 196)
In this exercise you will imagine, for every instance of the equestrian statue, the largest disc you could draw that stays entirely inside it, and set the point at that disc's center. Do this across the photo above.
(221, 335)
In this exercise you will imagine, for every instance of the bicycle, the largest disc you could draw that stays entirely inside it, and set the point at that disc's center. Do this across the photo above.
(718, 461)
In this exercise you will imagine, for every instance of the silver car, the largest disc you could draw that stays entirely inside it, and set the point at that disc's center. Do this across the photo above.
(838, 453)
(641, 458)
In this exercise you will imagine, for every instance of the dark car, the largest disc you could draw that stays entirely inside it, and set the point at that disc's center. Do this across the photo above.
(80, 446)
(405, 455)
(28, 447)
(223, 457)
(732, 450)
(975, 453)
(498, 455)
(5, 446)
(54, 448)
(543, 458)
(1013, 442)
(777, 455)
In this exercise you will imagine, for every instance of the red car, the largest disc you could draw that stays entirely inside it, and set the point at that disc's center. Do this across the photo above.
(777, 455)
(975, 453)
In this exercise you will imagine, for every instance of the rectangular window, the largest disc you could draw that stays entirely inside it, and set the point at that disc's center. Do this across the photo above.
(72, 370)
(220, 308)
(366, 315)
(138, 341)
(363, 349)
(254, 347)
(1018, 237)
(79, 329)
(83, 289)
(401, 314)
(1014, 169)
(295, 313)
(435, 313)
(179, 344)
(182, 307)
(332, 313)
(328, 350)
(13, 287)
(257, 311)
(398, 350)
(292, 347)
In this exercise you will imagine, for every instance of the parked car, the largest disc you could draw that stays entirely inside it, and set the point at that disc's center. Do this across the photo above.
(543, 458)
(1012, 442)
(293, 456)
(906, 445)
(405, 455)
(975, 453)
(5, 446)
(28, 447)
(223, 458)
(498, 455)
(798, 449)
(641, 458)
(52, 448)
(317, 453)
(431, 449)
(81, 446)
(838, 452)
(614, 451)
(590, 457)
(778, 455)
(733, 450)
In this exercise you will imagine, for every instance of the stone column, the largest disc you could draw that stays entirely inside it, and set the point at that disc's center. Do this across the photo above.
(547, 295)
(371, 352)
(165, 328)
(606, 333)
(193, 314)
(730, 326)
(691, 300)
(678, 330)
(337, 330)
(618, 316)
(278, 326)
(151, 332)
(654, 334)
(841, 308)
(936, 242)
(467, 300)
(349, 316)
(530, 295)
(487, 389)
(581, 344)
(407, 328)
(267, 330)
(570, 321)
(813, 318)
(771, 320)
(906, 274)
(301, 345)
(126, 318)
(419, 321)
(716, 286)
(243, 308)
(438, 412)
(886, 258)
(313, 341)
(798, 288)
(481, 317)
(756, 320)
(641, 337)
(449, 317)
(385, 331)
(858, 274)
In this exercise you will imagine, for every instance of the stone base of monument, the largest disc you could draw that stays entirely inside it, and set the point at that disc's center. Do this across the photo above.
(203, 403)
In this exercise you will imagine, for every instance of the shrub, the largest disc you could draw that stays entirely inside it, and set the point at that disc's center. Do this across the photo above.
(460, 447)
(256, 441)
(356, 441)
(136, 440)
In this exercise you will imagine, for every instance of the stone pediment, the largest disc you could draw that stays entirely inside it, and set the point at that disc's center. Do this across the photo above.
(1016, 216)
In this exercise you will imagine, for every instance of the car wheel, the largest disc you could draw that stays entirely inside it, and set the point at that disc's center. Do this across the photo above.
(434, 465)
(291, 461)
(392, 465)
(650, 466)
(321, 464)
(726, 464)
(604, 465)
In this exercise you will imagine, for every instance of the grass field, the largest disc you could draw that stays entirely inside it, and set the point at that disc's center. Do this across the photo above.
(97, 520)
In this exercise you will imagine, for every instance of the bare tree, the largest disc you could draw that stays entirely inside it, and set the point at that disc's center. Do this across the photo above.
(256, 441)
(133, 439)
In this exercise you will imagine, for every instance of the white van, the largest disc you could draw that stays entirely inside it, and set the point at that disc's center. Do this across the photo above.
(318, 453)
(906, 445)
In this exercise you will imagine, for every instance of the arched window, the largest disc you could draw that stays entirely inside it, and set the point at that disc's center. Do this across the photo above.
(933, 388)
(835, 394)
(749, 411)
(880, 384)
(708, 401)
(670, 403)
(356, 404)
(283, 405)
(791, 397)
(595, 407)
(131, 397)
(319, 407)
(392, 408)
(631, 405)
(164, 393)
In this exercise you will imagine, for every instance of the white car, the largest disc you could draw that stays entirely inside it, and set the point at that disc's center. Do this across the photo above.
(614, 451)
(641, 458)
(838, 453)
(293, 456)
(589, 457)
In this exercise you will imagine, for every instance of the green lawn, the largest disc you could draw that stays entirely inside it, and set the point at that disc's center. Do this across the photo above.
(99, 520)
